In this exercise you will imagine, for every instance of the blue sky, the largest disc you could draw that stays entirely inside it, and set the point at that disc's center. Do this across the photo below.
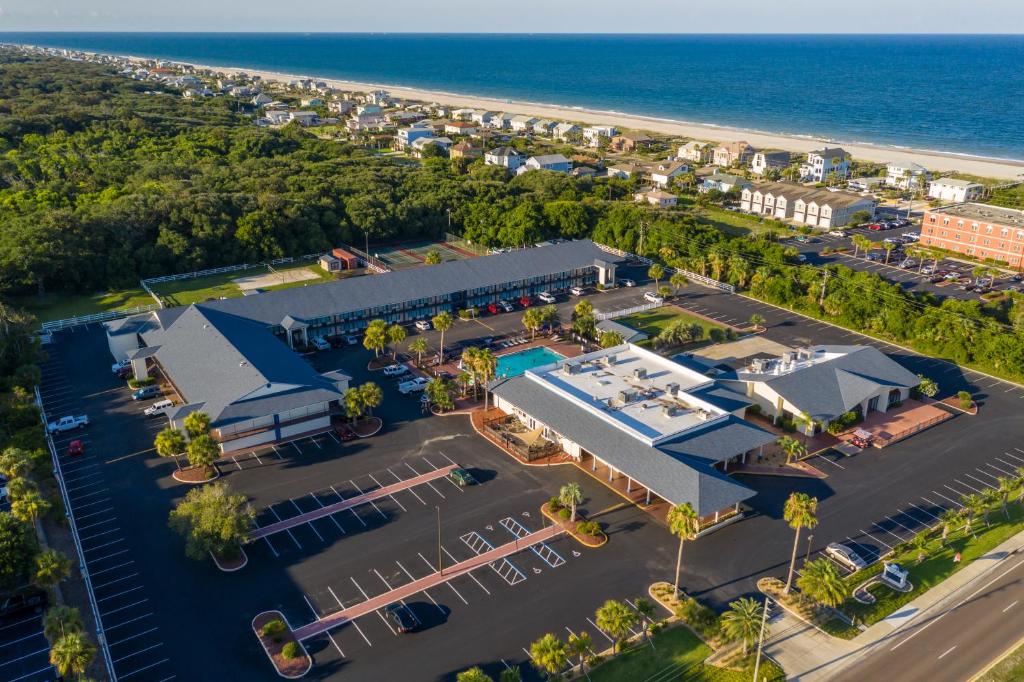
(547, 16)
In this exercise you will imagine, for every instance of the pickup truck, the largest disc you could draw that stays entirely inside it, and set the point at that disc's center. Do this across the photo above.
(69, 423)
(412, 386)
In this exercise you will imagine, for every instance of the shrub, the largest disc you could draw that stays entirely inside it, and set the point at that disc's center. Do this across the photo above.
(136, 383)
(274, 629)
(843, 422)
(290, 650)
(564, 514)
(965, 400)
(554, 504)
(754, 409)
(699, 617)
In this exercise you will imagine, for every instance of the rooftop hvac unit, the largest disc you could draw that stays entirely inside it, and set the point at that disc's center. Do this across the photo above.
(571, 368)
(668, 411)
(757, 365)
(702, 414)
(787, 357)
(804, 354)
(609, 360)
(640, 373)
(672, 388)
(626, 397)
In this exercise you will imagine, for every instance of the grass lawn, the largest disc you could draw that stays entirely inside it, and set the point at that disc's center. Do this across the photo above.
(1010, 669)
(938, 564)
(187, 291)
(678, 655)
(58, 306)
(730, 222)
(653, 322)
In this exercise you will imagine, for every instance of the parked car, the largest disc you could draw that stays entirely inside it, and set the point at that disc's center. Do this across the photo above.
(401, 617)
(395, 370)
(912, 236)
(69, 423)
(412, 386)
(837, 233)
(577, 291)
(907, 263)
(158, 408)
(423, 325)
(626, 282)
(493, 308)
(146, 392)
(461, 477)
(118, 366)
(28, 599)
(76, 448)
(345, 433)
(124, 372)
(320, 343)
(875, 227)
(653, 297)
(546, 297)
(801, 257)
(350, 339)
(845, 555)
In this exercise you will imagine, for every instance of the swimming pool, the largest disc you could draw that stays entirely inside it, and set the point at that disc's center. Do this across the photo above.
(514, 364)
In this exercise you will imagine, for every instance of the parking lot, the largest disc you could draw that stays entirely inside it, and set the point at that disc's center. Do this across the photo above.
(24, 652)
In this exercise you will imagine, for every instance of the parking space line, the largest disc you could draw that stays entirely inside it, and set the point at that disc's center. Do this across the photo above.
(86, 487)
(400, 601)
(131, 637)
(267, 538)
(114, 596)
(83, 506)
(22, 622)
(835, 464)
(985, 473)
(411, 490)
(427, 594)
(34, 672)
(924, 510)
(105, 544)
(257, 457)
(433, 568)
(278, 454)
(1009, 464)
(81, 497)
(297, 448)
(309, 523)
(900, 524)
(15, 660)
(313, 440)
(122, 608)
(96, 535)
(353, 511)
(888, 531)
(610, 640)
(382, 514)
(428, 482)
(98, 523)
(393, 499)
(435, 468)
(948, 499)
(1000, 469)
(980, 482)
(287, 530)
(377, 611)
(876, 538)
(236, 462)
(316, 614)
(334, 438)
(22, 639)
(115, 580)
(331, 517)
(967, 485)
(140, 651)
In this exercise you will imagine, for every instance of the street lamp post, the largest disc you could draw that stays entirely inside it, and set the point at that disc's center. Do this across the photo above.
(760, 636)
(440, 566)
(808, 557)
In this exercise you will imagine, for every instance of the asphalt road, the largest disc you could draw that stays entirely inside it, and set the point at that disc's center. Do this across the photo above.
(959, 640)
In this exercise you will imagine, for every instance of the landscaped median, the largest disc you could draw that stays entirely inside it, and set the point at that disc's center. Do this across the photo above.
(289, 656)
(585, 532)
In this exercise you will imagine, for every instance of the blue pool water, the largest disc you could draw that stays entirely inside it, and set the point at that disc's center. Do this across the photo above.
(514, 364)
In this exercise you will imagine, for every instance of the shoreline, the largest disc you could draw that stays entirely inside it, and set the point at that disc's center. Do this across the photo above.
(933, 160)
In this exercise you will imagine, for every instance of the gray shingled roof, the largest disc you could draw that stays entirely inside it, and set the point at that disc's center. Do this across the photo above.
(222, 363)
(678, 471)
(357, 293)
(828, 389)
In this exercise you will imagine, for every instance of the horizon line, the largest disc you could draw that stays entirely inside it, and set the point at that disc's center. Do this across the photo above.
(502, 33)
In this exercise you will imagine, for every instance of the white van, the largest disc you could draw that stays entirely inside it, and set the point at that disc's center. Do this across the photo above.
(158, 408)
(546, 297)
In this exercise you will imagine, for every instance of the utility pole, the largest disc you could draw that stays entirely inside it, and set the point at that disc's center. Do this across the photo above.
(821, 298)
(440, 566)
(449, 219)
(643, 232)
(760, 637)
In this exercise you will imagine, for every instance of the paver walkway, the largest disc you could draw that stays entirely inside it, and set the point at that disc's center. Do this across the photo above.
(365, 498)
(333, 620)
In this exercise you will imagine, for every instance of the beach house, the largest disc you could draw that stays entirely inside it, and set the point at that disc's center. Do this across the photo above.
(630, 142)
(508, 157)
(656, 197)
(955, 190)
(732, 153)
(790, 202)
(551, 162)
(594, 134)
(522, 123)
(906, 175)
(563, 131)
(764, 161)
(822, 163)
(695, 151)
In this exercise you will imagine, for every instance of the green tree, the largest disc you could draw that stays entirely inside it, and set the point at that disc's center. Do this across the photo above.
(656, 272)
(742, 622)
(442, 322)
(212, 519)
(439, 394)
(202, 451)
(584, 322)
(15, 462)
(1006, 487)
(860, 217)
(949, 519)
(532, 321)
(17, 551)
(432, 257)
(371, 396)
(170, 443)
(353, 401)
(800, 511)
(989, 498)
(395, 334)
(616, 620)
(61, 620)
(571, 495)
(486, 367)
(610, 339)
(376, 336)
(792, 448)
(29, 507)
(196, 424)
(72, 654)
(821, 581)
(419, 347)
(683, 522)
(549, 655)
(474, 674)
(580, 645)
(510, 675)
(971, 504)
(756, 321)
(679, 281)
(645, 609)
(52, 566)
(927, 387)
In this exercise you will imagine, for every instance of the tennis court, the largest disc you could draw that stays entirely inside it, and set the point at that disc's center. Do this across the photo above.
(408, 254)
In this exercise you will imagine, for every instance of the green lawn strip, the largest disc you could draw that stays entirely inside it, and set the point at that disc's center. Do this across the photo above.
(937, 566)
(730, 222)
(59, 306)
(653, 322)
(1010, 669)
(678, 649)
(199, 289)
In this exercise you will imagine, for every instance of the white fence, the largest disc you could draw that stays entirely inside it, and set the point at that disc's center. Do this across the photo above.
(82, 566)
(68, 322)
(626, 311)
(692, 276)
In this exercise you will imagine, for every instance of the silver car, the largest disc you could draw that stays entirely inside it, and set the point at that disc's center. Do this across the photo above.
(845, 555)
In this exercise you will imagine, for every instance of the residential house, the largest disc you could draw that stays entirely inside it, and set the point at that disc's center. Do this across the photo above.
(564, 131)
(550, 162)
(723, 182)
(955, 190)
(312, 102)
(865, 184)
(379, 97)
(305, 118)
(764, 161)
(522, 123)
(906, 175)
(482, 118)
(464, 149)
(420, 144)
(462, 114)
(261, 99)
(502, 121)
(594, 134)
(460, 128)
(821, 164)
(508, 157)
(730, 153)
(631, 142)
(656, 197)
(399, 117)
(662, 173)
(406, 136)
(365, 109)
(696, 151)
(543, 127)
(625, 170)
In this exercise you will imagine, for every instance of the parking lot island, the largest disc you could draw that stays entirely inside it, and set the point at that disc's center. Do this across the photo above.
(289, 655)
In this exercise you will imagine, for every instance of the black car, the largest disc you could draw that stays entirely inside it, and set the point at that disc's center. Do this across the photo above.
(29, 599)
(401, 617)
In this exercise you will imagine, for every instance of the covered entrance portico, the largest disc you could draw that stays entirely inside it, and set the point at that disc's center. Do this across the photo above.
(296, 332)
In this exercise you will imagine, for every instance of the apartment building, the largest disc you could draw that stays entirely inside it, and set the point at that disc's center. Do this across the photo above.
(805, 205)
(978, 230)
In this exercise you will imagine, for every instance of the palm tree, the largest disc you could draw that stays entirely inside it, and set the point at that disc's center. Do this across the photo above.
(989, 498)
(29, 507)
(510, 675)
(442, 322)
(532, 321)
(656, 272)
(678, 280)
(610, 339)
(353, 401)
(202, 451)
(419, 347)
(486, 366)
(1006, 487)
(756, 320)
(170, 443)
(371, 396)
(683, 523)
(646, 610)
(395, 335)
(793, 448)
(739, 270)
(376, 336)
(571, 495)
(52, 566)
(716, 260)
(15, 462)
(742, 622)
(61, 620)
(971, 503)
(474, 674)
(580, 645)
(888, 246)
(920, 544)
(469, 365)
(949, 519)
(800, 511)
(820, 580)
(72, 654)
(616, 619)
(549, 655)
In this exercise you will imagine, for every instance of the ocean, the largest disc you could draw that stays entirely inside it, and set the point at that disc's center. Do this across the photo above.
(960, 94)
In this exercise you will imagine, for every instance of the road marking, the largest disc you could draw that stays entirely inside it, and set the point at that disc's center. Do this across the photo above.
(257, 457)
(308, 523)
(140, 651)
(331, 517)
(382, 514)
(236, 462)
(131, 637)
(949, 650)
(984, 473)
(316, 614)
(352, 510)
(876, 538)
(408, 489)
(610, 640)
(1009, 607)
(276, 452)
(393, 499)
(925, 510)
(377, 611)
(297, 448)
(448, 582)
(946, 498)
(287, 530)
(428, 482)
(967, 485)
(412, 579)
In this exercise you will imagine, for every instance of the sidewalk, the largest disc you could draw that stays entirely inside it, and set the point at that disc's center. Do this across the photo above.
(810, 656)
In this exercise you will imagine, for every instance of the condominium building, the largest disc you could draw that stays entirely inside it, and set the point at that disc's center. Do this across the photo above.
(978, 230)
(806, 205)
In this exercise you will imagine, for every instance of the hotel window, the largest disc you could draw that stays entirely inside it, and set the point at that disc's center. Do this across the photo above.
(988, 229)
(1005, 231)
(959, 223)
(945, 221)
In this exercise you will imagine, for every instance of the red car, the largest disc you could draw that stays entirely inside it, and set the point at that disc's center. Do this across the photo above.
(875, 227)
(345, 433)
(492, 308)
(525, 301)
(76, 448)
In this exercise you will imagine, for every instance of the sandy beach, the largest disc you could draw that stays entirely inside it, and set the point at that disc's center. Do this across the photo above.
(933, 160)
